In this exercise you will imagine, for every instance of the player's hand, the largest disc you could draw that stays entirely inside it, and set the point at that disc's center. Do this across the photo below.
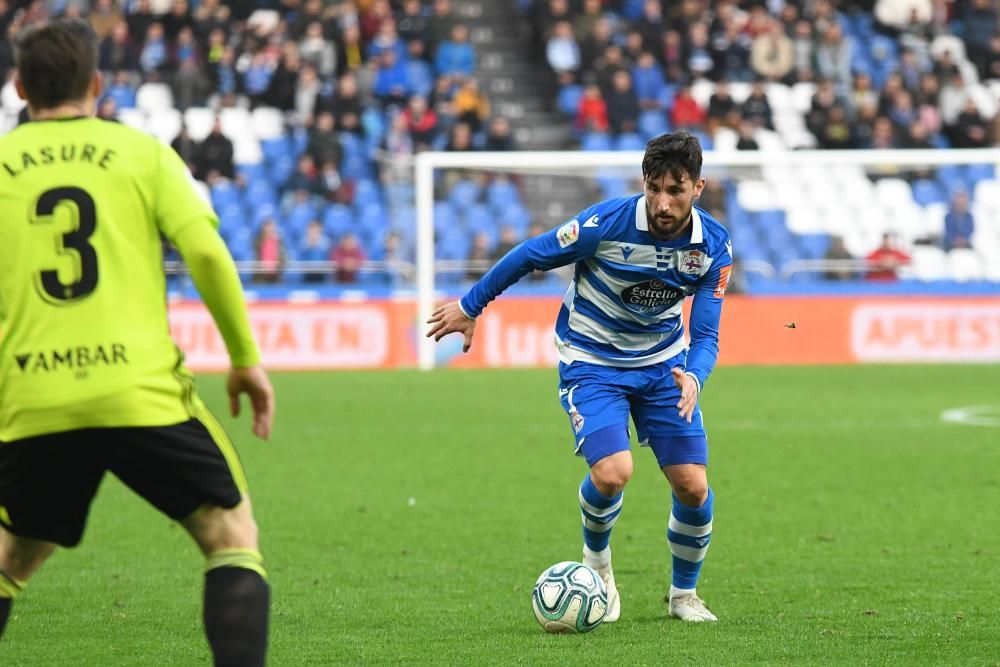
(253, 382)
(449, 318)
(689, 393)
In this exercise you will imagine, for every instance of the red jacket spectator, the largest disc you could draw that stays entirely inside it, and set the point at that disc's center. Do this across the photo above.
(592, 114)
(686, 112)
(885, 261)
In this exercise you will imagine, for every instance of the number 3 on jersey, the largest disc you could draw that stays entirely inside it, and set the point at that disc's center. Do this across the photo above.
(52, 289)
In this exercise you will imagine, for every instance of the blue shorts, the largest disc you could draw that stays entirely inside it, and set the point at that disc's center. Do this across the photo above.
(599, 400)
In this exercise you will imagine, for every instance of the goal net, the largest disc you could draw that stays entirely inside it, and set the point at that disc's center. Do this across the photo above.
(800, 220)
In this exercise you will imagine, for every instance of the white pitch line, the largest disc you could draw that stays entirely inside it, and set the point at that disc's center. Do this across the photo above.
(973, 415)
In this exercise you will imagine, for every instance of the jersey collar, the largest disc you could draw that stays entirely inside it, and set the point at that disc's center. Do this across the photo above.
(642, 224)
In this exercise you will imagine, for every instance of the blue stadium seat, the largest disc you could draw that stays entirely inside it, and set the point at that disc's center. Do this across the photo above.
(453, 244)
(569, 98)
(356, 167)
(252, 172)
(275, 148)
(502, 193)
(262, 212)
(400, 194)
(282, 168)
(814, 246)
(445, 217)
(232, 218)
(516, 216)
(979, 172)
(337, 220)
(927, 192)
(652, 123)
(258, 193)
(480, 219)
(464, 194)
(365, 192)
(629, 141)
(223, 194)
(299, 218)
(771, 222)
(595, 141)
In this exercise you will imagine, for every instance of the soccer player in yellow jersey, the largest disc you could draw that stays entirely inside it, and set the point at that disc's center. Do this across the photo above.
(90, 380)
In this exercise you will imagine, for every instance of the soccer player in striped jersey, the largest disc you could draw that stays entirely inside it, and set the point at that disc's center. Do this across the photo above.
(622, 349)
(90, 381)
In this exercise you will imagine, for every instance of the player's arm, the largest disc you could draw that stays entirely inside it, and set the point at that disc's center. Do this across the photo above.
(189, 223)
(564, 245)
(706, 312)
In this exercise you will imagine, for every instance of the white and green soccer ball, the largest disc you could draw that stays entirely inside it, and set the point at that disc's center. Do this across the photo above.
(569, 597)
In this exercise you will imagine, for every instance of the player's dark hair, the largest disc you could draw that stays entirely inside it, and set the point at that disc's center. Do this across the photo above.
(678, 153)
(56, 61)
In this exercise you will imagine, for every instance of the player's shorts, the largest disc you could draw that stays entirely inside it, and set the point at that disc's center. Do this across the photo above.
(47, 482)
(599, 400)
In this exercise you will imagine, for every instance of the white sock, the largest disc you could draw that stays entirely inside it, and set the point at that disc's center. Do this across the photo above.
(596, 558)
(674, 591)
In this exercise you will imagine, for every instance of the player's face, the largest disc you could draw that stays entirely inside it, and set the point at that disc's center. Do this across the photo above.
(669, 202)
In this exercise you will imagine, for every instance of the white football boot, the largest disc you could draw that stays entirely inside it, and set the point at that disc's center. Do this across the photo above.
(687, 606)
(603, 568)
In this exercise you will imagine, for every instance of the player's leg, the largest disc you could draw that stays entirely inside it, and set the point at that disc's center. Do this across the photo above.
(46, 485)
(191, 472)
(20, 557)
(681, 450)
(598, 413)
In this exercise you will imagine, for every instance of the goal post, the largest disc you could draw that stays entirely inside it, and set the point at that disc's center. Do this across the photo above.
(804, 184)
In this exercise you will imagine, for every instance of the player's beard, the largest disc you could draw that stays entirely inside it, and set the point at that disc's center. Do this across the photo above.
(668, 229)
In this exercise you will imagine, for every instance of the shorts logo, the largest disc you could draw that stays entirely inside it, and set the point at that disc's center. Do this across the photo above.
(568, 233)
(692, 261)
(577, 420)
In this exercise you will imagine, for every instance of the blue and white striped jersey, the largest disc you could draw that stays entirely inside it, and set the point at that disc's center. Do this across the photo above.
(623, 307)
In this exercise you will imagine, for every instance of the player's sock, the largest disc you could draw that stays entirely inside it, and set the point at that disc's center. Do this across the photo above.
(236, 607)
(599, 516)
(9, 588)
(689, 532)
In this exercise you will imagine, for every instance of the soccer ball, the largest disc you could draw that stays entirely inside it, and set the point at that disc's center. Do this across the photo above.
(569, 597)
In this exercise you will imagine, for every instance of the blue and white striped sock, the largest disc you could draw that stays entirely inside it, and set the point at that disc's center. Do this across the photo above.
(599, 514)
(689, 532)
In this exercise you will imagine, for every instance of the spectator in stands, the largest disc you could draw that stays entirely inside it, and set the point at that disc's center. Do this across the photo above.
(155, 54)
(648, 80)
(471, 105)
(885, 261)
(651, 24)
(413, 24)
(772, 54)
(592, 114)
(731, 54)
(584, 21)
(672, 56)
(315, 247)
(419, 73)
(331, 186)
(307, 90)
(990, 66)
(324, 145)
(699, 60)
(439, 24)
(952, 99)
(104, 16)
(480, 257)
(970, 130)
(396, 151)
(824, 99)
(117, 52)
(348, 256)
(121, 90)
(257, 77)
(269, 249)
(833, 57)
(883, 134)
(460, 138)
(861, 92)
(686, 113)
(563, 53)
(836, 134)
(803, 52)
(917, 137)
(910, 69)
(212, 15)
(456, 57)
(391, 85)
(901, 111)
(722, 108)
(422, 122)
(605, 68)
(746, 141)
(318, 51)
(215, 155)
(594, 46)
(499, 136)
(387, 39)
(507, 242)
(756, 108)
(350, 54)
(187, 148)
(304, 181)
(189, 84)
(108, 109)
(980, 21)
(622, 104)
(282, 83)
(959, 224)
(838, 252)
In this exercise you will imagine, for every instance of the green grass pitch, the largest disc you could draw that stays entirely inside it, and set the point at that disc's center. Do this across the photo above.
(405, 516)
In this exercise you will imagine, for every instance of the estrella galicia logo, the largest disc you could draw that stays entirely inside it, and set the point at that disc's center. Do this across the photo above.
(651, 297)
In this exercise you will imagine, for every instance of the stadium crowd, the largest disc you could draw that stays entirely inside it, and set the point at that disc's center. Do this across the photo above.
(361, 85)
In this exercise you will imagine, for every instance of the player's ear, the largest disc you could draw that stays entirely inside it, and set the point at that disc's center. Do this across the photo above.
(96, 85)
(19, 87)
(699, 185)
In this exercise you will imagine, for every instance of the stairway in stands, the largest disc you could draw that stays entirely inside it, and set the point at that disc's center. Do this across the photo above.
(524, 91)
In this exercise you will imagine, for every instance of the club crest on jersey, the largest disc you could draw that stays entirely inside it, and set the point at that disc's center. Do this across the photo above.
(692, 261)
(577, 420)
(568, 233)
